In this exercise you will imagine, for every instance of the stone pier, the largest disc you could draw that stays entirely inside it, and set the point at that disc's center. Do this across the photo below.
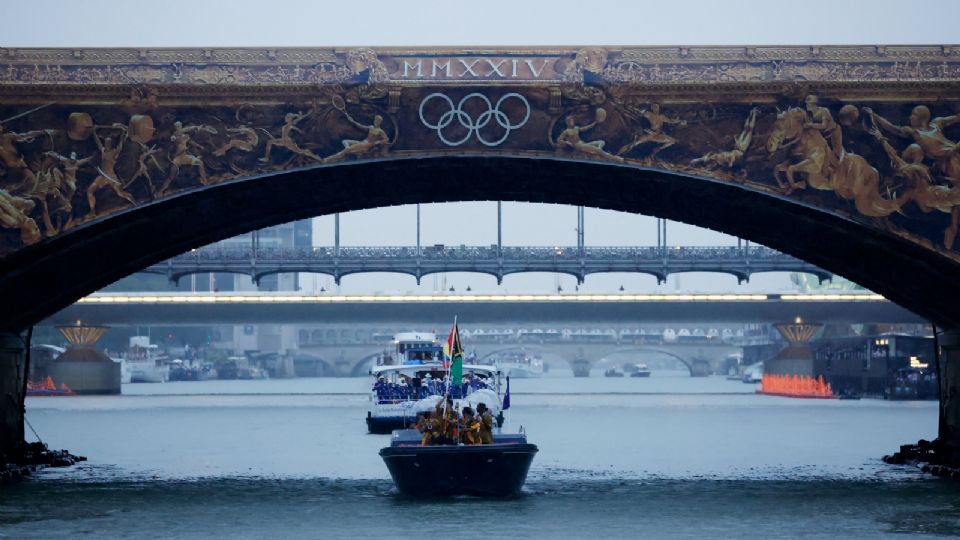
(949, 431)
(12, 357)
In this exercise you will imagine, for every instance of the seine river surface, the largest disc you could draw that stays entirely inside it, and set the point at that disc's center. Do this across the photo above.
(664, 457)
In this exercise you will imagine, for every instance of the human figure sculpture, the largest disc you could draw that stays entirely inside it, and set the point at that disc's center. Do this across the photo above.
(108, 175)
(851, 178)
(570, 140)
(13, 215)
(821, 119)
(375, 140)
(17, 168)
(655, 132)
(70, 167)
(928, 134)
(182, 156)
(921, 187)
(144, 160)
(286, 138)
(68, 182)
(241, 138)
(741, 143)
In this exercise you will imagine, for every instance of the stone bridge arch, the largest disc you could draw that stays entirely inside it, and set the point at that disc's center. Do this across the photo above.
(116, 159)
(362, 366)
(598, 352)
(696, 368)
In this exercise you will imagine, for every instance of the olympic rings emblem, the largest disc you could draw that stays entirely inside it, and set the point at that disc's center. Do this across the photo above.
(493, 113)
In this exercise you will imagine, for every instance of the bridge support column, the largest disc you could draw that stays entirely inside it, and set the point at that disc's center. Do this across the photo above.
(949, 429)
(12, 358)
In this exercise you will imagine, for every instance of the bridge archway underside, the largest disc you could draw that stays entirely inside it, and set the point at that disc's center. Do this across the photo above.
(113, 160)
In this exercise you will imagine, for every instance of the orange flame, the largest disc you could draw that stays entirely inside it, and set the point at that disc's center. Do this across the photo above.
(795, 386)
(47, 385)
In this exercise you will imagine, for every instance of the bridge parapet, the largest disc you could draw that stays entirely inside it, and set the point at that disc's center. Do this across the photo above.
(341, 261)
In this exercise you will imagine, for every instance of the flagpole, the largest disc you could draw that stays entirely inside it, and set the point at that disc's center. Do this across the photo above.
(446, 400)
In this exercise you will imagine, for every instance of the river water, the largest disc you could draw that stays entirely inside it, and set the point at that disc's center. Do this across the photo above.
(665, 457)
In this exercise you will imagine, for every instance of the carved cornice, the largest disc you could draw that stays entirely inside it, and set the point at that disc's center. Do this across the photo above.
(534, 65)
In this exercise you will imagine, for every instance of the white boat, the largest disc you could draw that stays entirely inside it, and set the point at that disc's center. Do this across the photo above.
(125, 373)
(639, 370)
(520, 366)
(413, 380)
(145, 363)
(753, 374)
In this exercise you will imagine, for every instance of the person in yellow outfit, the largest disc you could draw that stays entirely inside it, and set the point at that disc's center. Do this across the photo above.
(470, 427)
(485, 419)
(425, 426)
(449, 420)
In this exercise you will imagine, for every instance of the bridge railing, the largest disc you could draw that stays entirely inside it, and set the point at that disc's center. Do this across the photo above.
(625, 253)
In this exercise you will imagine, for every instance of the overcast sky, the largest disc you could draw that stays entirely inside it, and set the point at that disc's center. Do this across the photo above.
(184, 23)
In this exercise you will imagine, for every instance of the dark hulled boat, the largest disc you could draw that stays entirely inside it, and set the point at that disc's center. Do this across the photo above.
(488, 470)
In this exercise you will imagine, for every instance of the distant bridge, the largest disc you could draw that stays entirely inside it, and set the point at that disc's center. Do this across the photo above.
(356, 359)
(498, 261)
(439, 309)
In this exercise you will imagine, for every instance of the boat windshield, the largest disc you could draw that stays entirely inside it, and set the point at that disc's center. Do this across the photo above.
(422, 355)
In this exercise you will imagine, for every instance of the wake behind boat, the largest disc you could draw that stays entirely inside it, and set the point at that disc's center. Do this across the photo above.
(414, 380)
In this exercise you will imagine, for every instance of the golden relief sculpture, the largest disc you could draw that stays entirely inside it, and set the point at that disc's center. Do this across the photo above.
(656, 121)
(850, 176)
(889, 164)
(920, 186)
(68, 183)
(741, 143)
(569, 141)
(286, 141)
(107, 177)
(146, 158)
(375, 144)
(13, 215)
(928, 133)
(181, 156)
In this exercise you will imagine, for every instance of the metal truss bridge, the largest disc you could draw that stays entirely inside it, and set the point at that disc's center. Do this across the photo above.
(498, 261)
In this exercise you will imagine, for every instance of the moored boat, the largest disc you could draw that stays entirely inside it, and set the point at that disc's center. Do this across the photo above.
(581, 367)
(520, 366)
(640, 370)
(146, 364)
(613, 372)
(483, 470)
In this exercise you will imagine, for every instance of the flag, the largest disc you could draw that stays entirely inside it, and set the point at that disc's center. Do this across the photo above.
(506, 396)
(455, 354)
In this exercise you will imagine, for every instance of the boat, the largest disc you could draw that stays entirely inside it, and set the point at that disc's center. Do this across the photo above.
(181, 370)
(640, 370)
(412, 380)
(146, 365)
(581, 367)
(47, 388)
(125, 373)
(520, 366)
(613, 372)
(753, 374)
(482, 470)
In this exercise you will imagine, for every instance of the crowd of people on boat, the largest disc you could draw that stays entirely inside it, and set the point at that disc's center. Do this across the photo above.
(445, 426)
(407, 388)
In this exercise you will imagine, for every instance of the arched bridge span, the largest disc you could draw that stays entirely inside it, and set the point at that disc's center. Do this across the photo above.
(116, 159)
(113, 160)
